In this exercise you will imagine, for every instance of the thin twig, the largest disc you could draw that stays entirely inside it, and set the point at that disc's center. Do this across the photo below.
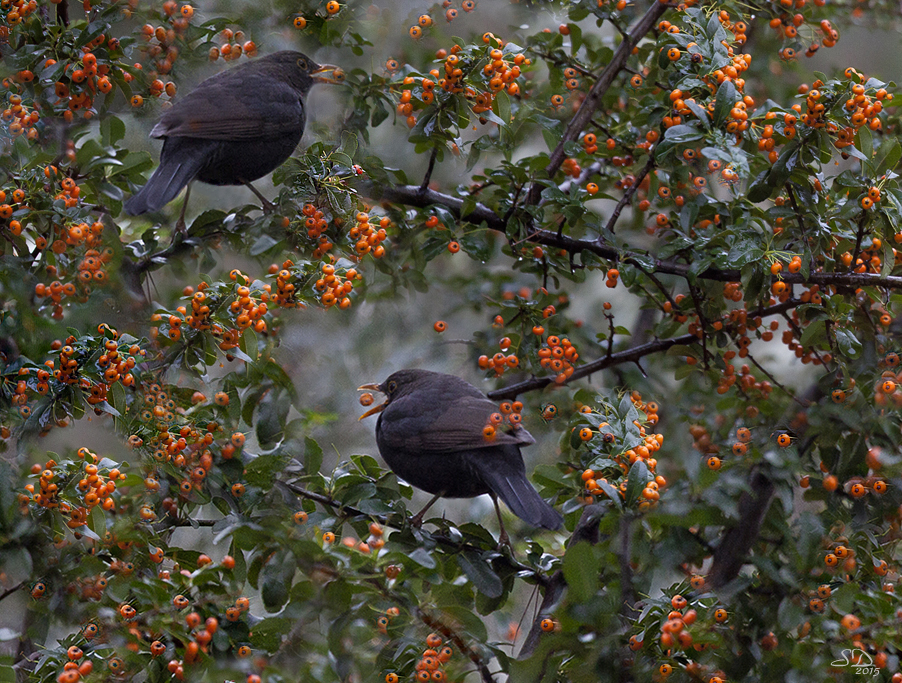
(776, 382)
(628, 195)
(425, 184)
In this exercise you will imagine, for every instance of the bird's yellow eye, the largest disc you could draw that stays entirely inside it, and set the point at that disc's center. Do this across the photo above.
(302, 64)
(392, 386)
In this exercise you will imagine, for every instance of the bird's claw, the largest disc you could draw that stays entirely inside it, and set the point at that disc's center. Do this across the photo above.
(504, 541)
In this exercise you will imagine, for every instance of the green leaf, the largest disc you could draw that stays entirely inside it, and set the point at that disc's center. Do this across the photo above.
(848, 343)
(502, 106)
(726, 98)
(313, 455)
(636, 481)
(480, 572)
(891, 159)
(580, 569)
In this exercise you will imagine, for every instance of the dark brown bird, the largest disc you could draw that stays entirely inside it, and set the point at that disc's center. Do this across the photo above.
(233, 128)
(430, 432)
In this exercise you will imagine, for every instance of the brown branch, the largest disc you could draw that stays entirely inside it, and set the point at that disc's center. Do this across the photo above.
(410, 195)
(737, 541)
(631, 355)
(597, 92)
(5, 594)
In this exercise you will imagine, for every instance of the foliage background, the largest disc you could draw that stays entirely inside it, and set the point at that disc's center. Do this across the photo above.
(452, 579)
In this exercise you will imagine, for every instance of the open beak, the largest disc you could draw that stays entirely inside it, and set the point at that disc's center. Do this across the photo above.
(375, 409)
(329, 73)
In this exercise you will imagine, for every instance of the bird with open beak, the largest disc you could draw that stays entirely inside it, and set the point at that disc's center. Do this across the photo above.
(430, 432)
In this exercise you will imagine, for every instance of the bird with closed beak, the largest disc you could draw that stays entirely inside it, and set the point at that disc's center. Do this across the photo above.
(430, 432)
(233, 128)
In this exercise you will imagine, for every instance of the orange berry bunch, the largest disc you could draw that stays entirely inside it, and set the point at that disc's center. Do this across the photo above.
(366, 237)
(230, 51)
(334, 289)
(558, 355)
(501, 361)
(286, 294)
(571, 167)
(430, 665)
(19, 119)
(508, 419)
(643, 450)
(675, 633)
(841, 556)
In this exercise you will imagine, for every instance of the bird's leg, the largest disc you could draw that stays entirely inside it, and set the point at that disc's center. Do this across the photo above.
(268, 207)
(502, 537)
(417, 520)
(180, 223)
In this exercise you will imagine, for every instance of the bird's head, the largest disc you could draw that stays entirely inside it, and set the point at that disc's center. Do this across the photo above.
(398, 384)
(302, 72)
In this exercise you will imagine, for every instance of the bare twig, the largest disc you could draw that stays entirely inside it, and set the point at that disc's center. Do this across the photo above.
(630, 191)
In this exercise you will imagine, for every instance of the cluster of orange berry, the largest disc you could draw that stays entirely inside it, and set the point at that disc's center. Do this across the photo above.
(498, 74)
(788, 27)
(286, 295)
(644, 451)
(367, 238)
(510, 415)
(675, 633)
(571, 167)
(334, 289)
(374, 542)
(589, 143)
(558, 355)
(19, 118)
(163, 41)
(501, 361)
(15, 11)
(383, 621)
(230, 51)
(74, 669)
(430, 665)
(85, 76)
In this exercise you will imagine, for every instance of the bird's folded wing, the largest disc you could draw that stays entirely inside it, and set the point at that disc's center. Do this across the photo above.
(256, 106)
(459, 426)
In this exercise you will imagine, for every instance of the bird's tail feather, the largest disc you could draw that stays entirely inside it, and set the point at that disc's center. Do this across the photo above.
(165, 183)
(512, 486)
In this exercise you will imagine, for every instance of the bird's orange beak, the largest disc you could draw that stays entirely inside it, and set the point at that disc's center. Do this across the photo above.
(329, 73)
(375, 409)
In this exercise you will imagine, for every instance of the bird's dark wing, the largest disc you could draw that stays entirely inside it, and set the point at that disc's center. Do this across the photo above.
(408, 425)
(238, 104)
